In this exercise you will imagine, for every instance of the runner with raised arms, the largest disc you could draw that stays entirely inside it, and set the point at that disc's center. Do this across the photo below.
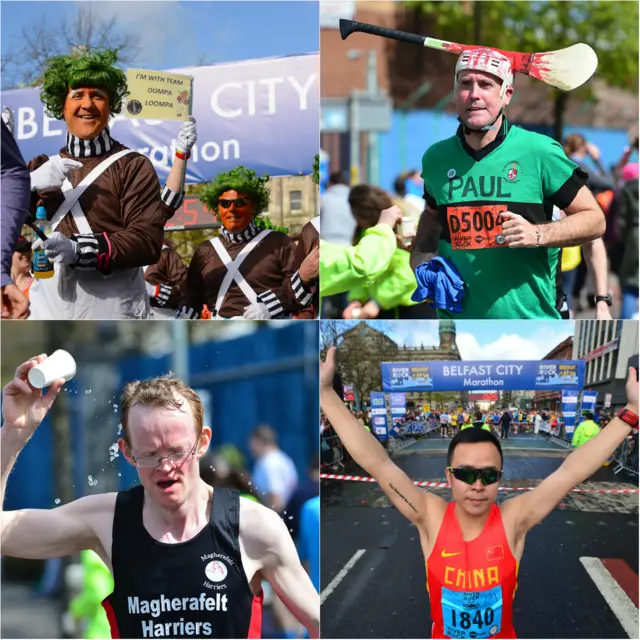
(472, 548)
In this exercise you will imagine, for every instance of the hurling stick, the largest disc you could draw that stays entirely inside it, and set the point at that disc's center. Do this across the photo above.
(565, 69)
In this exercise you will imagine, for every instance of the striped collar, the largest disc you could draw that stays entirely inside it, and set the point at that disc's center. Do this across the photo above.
(97, 146)
(244, 236)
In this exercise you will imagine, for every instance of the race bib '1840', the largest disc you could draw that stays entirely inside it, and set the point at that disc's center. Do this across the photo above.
(476, 614)
(476, 226)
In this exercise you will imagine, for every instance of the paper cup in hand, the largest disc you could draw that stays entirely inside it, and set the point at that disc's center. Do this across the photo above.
(408, 227)
(59, 364)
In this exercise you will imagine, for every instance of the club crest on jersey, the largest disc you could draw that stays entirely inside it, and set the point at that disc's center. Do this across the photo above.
(512, 169)
(216, 571)
(451, 173)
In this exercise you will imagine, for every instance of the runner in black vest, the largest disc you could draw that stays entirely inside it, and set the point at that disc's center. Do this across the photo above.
(187, 559)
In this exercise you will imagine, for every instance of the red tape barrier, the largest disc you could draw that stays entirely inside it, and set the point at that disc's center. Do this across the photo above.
(444, 485)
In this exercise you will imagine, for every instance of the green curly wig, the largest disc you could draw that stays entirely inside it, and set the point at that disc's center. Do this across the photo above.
(242, 180)
(91, 69)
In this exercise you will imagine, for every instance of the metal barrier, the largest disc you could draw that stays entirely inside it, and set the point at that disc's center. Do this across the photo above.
(626, 457)
(331, 452)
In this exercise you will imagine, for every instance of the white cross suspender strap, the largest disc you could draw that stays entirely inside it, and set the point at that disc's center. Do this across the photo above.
(72, 195)
(233, 268)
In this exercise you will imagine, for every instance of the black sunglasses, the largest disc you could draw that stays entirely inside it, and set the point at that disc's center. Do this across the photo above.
(469, 475)
(239, 202)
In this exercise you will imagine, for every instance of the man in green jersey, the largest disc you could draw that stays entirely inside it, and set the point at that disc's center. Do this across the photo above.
(489, 193)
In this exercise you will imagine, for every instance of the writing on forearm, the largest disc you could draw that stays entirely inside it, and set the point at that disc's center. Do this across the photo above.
(415, 510)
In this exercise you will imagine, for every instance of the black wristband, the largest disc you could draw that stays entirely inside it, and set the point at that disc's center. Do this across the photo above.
(606, 299)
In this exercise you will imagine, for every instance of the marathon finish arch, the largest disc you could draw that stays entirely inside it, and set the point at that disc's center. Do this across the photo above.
(503, 375)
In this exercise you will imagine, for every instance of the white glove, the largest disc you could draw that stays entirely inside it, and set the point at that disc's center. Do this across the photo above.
(53, 173)
(59, 248)
(187, 136)
(159, 292)
(257, 311)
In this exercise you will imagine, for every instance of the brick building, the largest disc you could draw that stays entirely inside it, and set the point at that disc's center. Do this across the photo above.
(547, 399)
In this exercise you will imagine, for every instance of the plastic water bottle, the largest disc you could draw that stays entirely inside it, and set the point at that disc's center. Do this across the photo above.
(42, 267)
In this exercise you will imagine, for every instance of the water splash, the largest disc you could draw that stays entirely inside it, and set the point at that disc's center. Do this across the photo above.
(113, 452)
(57, 501)
(119, 475)
(92, 482)
(119, 429)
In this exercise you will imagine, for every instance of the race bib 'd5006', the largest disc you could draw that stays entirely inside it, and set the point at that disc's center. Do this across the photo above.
(476, 226)
(476, 614)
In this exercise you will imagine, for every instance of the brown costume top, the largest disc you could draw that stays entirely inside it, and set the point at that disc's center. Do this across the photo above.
(265, 269)
(170, 271)
(303, 300)
(123, 203)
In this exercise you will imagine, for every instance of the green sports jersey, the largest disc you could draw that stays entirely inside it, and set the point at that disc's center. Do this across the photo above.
(520, 171)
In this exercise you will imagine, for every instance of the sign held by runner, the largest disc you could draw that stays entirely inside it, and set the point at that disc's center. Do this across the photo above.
(565, 69)
(156, 95)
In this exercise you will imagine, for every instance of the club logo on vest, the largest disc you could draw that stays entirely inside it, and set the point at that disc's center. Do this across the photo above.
(216, 571)
(513, 169)
(451, 173)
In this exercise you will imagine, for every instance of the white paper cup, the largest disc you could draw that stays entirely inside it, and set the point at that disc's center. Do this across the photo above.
(60, 364)
(408, 227)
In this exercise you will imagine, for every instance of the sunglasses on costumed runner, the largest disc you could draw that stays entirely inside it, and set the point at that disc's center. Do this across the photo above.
(469, 475)
(239, 202)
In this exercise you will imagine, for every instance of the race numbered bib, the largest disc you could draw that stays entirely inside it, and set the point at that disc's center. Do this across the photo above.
(475, 614)
(476, 226)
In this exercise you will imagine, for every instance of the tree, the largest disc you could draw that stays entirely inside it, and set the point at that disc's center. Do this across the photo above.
(41, 41)
(361, 351)
(611, 28)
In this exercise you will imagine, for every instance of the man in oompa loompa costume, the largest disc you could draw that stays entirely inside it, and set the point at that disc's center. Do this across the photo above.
(245, 272)
(102, 199)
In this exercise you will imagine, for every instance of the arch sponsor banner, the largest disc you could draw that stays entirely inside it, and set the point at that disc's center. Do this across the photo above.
(569, 405)
(398, 402)
(263, 114)
(503, 375)
(379, 425)
(588, 403)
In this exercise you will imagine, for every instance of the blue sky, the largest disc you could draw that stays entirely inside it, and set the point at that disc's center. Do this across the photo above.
(174, 34)
(484, 340)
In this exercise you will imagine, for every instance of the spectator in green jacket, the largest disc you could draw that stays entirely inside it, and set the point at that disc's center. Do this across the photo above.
(477, 423)
(389, 295)
(586, 430)
(342, 267)
(86, 608)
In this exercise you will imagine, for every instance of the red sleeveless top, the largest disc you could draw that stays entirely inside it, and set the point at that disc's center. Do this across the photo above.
(471, 584)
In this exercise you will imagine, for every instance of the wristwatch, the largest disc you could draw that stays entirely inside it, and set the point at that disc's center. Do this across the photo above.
(606, 299)
(629, 417)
